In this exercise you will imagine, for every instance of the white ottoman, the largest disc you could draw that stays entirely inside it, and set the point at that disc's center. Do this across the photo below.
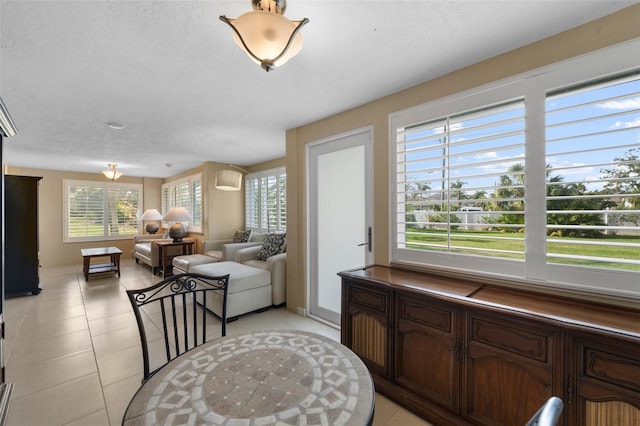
(182, 264)
(249, 288)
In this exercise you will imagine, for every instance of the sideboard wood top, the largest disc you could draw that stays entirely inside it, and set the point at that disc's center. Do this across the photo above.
(564, 311)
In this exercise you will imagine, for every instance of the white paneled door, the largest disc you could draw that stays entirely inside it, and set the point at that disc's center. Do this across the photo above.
(340, 173)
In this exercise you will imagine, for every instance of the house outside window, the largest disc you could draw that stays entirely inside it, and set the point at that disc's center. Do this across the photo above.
(535, 179)
(266, 200)
(187, 193)
(96, 211)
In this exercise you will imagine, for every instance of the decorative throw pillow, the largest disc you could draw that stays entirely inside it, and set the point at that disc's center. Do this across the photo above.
(273, 244)
(242, 236)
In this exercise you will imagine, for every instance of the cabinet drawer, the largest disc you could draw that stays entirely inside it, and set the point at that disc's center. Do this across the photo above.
(369, 298)
(611, 368)
(512, 337)
(426, 313)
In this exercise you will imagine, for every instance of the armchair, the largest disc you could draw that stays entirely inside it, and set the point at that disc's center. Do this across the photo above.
(144, 250)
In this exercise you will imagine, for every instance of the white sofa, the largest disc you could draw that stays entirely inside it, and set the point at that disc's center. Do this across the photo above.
(225, 250)
(276, 265)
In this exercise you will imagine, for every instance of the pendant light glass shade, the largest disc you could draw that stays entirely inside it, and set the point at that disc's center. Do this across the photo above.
(112, 173)
(266, 36)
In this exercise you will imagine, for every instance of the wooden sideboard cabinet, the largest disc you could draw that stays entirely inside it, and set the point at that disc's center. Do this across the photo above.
(457, 352)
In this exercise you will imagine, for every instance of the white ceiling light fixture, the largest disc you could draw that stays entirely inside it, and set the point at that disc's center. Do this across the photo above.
(266, 35)
(115, 126)
(112, 173)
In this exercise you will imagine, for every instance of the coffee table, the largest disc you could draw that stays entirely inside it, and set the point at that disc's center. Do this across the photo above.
(97, 268)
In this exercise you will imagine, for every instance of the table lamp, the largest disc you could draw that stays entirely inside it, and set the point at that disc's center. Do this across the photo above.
(151, 215)
(177, 215)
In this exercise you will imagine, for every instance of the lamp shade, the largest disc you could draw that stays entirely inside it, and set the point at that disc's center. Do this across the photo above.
(228, 180)
(151, 214)
(177, 214)
(177, 230)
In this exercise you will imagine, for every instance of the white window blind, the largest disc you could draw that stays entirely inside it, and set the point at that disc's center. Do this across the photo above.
(593, 174)
(535, 178)
(187, 193)
(461, 183)
(265, 200)
(100, 210)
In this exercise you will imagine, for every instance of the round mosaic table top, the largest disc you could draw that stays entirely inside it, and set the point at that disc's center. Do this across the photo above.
(268, 377)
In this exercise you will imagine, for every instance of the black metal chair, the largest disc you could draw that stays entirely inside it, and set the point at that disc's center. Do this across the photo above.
(180, 302)
(548, 414)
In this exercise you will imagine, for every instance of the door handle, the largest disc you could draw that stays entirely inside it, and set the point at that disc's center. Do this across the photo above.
(368, 242)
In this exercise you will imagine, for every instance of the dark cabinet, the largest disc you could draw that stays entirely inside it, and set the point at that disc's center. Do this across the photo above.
(465, 353)
(21, 235)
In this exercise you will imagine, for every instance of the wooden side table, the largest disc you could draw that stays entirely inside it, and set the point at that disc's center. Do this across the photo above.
(112, 266)
(167, 255)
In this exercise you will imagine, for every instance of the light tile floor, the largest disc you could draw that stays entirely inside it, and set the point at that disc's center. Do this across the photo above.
(73, 351)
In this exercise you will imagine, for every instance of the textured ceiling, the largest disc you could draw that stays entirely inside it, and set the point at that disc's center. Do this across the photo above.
(171, 73)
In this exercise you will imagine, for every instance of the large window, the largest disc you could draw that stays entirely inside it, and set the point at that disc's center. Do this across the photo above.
(100, 210)
(266, 200)
(536, 178)
(187, 193)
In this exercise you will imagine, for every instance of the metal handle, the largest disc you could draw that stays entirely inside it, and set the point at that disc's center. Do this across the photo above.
(368, 242)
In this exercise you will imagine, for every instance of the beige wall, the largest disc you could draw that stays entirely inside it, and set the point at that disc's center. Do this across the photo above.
(53, 252)
(223, 211)
(607, 31)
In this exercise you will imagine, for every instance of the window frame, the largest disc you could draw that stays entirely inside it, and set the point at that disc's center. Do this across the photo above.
(190, 180)
(69, 183)
(534, 87)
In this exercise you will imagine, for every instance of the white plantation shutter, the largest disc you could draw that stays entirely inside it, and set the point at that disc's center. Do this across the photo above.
(265, 200)
(100, 210)
(447, 170)
(252, 203)
(595, 127)
(534, 179)
(187, 193)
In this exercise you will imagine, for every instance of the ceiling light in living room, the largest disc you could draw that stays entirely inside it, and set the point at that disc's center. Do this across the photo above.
(266, 35)
(112, 173)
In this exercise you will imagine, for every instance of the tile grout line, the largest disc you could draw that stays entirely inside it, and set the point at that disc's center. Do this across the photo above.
(93, 349)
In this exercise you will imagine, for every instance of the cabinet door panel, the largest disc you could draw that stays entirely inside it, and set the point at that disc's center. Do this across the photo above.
(528, 343)
(509, 371)
(608, 384)
(426, 350)
(366, 326)
(503, 390)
